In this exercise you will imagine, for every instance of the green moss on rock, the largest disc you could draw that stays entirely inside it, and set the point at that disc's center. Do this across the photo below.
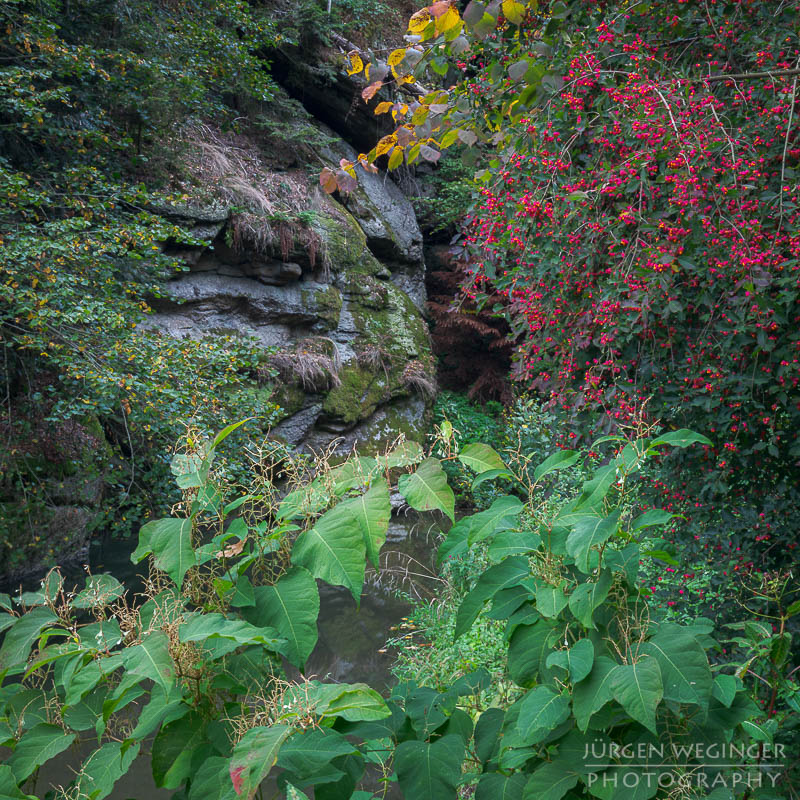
(358, 395)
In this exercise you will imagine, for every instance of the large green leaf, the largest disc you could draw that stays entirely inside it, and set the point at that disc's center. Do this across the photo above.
(427, 488)
(151, 659)
(199, 627)
(590, 532)
(681, 438)
(308, 754)
(507, 573)
(528, 649)
(351, 701)
(684, 667)
(592, 693)
(481, 458)
(100, 590)
(372, 510)
(212, 781)
(500, 516)
(541, 711)
(576, 661)
(174, 750)
(170, 542)
(38, 745)
(334, 551)
(494, 786)
(560, 460)
(430, 771)
(551, 781)
(254, 756)
(588, 596)
(550, 600)
(22, 634)
(291, 606)
(8, 786)
(638, 689)
(104, 767)
(513, 543)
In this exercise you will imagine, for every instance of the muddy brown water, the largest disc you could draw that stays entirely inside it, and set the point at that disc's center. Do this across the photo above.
(351, 646)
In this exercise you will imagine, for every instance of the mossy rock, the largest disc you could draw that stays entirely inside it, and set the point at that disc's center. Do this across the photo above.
(328, 305)
(289, 396)
(344, 244)
(360, 392)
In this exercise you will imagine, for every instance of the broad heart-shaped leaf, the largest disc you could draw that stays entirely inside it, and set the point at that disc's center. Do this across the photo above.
(334, 551)
(199, 627)
(494, 786)
(540, 711)
(588, 596)
(354, 702)
(38, 745)
(372, 511)
(685, 672)
(577, 660)
(513, 543)
(427, 488)
(455, 543)
(507, 573)
(725, 688)
(170, 542)
(254, 756)
(500, 516)
(528, 650)
(308, 753)
(655, 516)
(151, 659)
(638, 689)
(551, 781)
(590, 532)
(291, 606)
(104, 768)
(481, 458)
(404, 455)
(550, 600)
(22, 634)
(100, 590)
(8, 786)
(430, 771)
(560, 460)
(592, 693)
(174, 750)
(212, 781)
(681, 438)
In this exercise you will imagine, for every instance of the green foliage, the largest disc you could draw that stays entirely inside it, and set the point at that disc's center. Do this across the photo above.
(449, 193)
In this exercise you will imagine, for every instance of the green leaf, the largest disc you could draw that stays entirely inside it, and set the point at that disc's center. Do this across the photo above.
(307, 753)
(588, 596)
(199, 627)
(104, 767)
(685, 672)
(455, 543)
(163, 707)
(681, 438)
(405, 454)
(334, 550)
(351, 701)
(291, 607)
(541, 711)
(560, 460)
(227, 431)
(638, 689)
(490, 475)
(592, 693)
(372, 512)
(170, 542)
(22, 634)
(500, 516)
(38, 745)
(725, 688)
(174, 749)
(481, 458)
(427, 488)
(212, 781)
(590, 532)
(655, 516)
(254, 756)
(100, 590)
(551, 781)
(513, 543)
(501, 576)
(528, 649)
(550, 600)
(494, 786)
(576, 660)
(151, 659)
(430, 771)
(8, 786)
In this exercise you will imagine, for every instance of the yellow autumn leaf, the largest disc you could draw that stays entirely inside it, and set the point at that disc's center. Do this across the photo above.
(449, 19)
(396, 158)
(382, 108)
(514, 12)
(356, 64)
(396, 56)
(385, 145)
(405, 79)
(419, 21)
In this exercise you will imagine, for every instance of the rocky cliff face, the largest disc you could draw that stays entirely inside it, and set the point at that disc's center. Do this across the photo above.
(332, 288)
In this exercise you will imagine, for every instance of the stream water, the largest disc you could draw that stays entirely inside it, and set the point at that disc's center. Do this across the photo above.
(351, 646)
